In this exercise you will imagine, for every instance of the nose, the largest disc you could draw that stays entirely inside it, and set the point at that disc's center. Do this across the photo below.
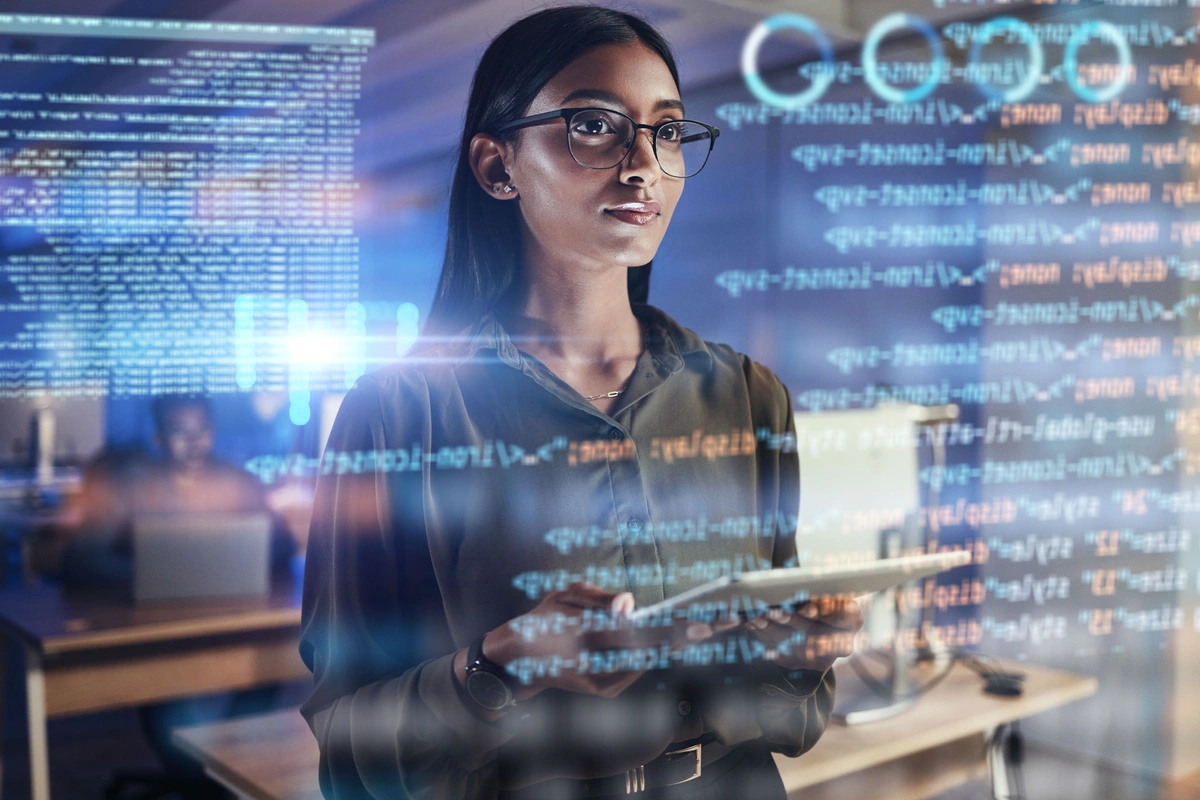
(640, 161)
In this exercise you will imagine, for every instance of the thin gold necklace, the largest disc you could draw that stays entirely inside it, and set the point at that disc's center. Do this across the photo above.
(609, 394)
(626, 386)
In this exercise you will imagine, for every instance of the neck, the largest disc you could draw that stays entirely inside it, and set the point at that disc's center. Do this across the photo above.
(581, 317)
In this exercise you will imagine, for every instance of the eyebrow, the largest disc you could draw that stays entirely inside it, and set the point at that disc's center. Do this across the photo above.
(609, 97)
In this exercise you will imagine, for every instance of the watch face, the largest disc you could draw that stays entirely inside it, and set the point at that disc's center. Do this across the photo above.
(488, 690)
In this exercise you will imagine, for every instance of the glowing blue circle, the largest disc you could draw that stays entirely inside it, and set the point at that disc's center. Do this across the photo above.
(1104, 30)
(759, 34)
(1037, 59)
(895, 22)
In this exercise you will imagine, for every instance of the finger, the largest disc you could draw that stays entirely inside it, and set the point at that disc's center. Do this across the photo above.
(586, 595)
(848, 621)
(774, 634)
(818, 628)
(786, 646)
(622, 604)
(808, 610)
(833, 611)
(684, 634)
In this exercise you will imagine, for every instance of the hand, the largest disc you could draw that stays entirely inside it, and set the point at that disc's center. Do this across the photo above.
(561, 627)
(828, 625)
(557, 643)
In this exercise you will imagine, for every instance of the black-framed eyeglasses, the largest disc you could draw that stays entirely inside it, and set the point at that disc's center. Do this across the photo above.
(600, 138)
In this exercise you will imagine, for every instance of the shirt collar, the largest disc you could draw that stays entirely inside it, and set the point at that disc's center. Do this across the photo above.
(668, 342)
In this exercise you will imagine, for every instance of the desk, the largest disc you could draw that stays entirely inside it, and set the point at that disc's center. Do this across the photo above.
(932, 747)
(268, 757)
(86, 653)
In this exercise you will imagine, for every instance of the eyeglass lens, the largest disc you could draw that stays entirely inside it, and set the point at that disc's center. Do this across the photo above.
(601, 139)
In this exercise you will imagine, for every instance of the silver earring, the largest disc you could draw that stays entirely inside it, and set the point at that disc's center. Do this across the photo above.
(508, 188)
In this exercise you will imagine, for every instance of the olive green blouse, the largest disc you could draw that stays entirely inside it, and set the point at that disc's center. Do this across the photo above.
(464, 483)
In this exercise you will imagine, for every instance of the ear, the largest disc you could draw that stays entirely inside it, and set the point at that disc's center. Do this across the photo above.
(489, 157)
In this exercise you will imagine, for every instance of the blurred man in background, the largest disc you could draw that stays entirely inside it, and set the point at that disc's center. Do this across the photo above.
(185, 479)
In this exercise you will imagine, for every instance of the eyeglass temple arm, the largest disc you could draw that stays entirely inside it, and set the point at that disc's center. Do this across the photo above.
(697, 136)
(534, 120)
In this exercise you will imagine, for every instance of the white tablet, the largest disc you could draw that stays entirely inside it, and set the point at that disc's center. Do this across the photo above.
(756, 591)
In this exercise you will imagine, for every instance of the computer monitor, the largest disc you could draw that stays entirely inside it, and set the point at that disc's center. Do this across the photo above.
(201, 557)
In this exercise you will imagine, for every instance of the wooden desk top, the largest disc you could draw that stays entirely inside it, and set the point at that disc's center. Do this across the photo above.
(55, 622)
(269, 757)
(954, 709)
(275, 756)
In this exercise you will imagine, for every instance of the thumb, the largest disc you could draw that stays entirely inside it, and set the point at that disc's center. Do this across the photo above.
(622, 604)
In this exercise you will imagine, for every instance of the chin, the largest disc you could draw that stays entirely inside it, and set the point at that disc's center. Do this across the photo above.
(621, 253)
(630, 260)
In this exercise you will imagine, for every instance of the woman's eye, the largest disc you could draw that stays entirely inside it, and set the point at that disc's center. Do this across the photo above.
(593, 127)
(669, 133)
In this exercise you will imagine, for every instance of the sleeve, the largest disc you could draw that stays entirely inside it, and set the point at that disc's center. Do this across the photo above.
(790, 708)
(787, 709)
(385, 709)
(794, 705)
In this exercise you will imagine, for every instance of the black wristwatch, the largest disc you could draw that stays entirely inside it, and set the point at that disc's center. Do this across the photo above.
(487, 683)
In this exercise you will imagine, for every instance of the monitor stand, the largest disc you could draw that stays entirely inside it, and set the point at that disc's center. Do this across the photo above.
(858, 703)
(896, 689)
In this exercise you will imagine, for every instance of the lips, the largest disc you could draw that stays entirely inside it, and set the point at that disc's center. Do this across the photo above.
(646, 207)
(635, 213)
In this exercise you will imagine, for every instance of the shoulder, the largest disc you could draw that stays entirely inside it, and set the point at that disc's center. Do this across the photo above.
(762, 382)
(429, 366)
(769, 399)
(402, 379)
(758, 376)
(729, 365)
(387, 404)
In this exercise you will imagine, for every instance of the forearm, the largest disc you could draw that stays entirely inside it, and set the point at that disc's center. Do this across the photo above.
(406, 736)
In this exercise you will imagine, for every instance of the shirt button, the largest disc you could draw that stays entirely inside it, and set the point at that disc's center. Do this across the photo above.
(615, 434)
(634, 525)
(684, 708)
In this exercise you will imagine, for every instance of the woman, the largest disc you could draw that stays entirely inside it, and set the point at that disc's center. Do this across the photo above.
(556, 451)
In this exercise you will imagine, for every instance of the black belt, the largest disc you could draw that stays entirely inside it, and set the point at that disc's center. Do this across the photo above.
(680, 764)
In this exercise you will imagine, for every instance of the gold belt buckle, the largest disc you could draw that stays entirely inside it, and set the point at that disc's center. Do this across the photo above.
(695, 749)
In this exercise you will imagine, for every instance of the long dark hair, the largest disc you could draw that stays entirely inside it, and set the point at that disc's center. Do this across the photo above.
(483, 247)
